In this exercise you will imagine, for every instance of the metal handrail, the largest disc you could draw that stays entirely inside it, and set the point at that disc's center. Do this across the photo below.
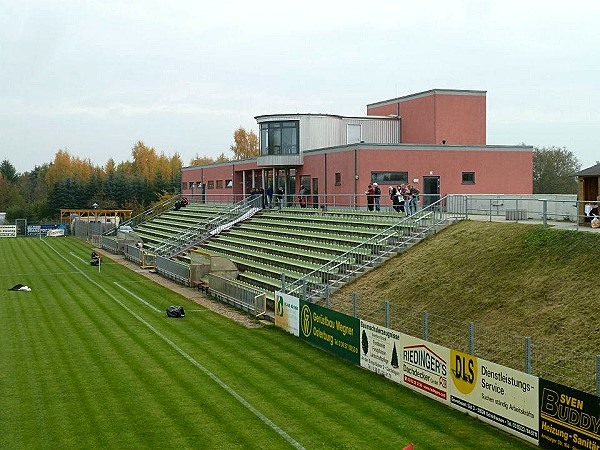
(147, 215)
(407, 231)
(203, 231)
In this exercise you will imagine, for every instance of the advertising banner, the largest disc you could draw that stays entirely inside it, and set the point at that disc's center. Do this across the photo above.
(504, 397)
(380, 350)
(45, 230)
(331, 330)
(568, 418)
(426, 367)
(287, 309)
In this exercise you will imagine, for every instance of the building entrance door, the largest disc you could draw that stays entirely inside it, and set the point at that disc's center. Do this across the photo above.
(431, 190)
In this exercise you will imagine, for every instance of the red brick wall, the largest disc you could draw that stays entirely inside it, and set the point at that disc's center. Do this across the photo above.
(429, 119)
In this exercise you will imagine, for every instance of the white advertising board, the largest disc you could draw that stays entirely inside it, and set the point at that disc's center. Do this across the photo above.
(504, 397)
(426, 367)
(287, 312)
(380, 350)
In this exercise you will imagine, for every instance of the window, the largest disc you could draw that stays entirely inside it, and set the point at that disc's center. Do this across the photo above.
(211, 185)
(389, 177)
(305, 183)
(353, 133)
(184, 185)
(338, 179)
(279, 138)
(468, 178)
(229, 183)
(219, 184)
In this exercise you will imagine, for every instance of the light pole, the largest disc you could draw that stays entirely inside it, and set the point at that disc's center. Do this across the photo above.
(95, 206)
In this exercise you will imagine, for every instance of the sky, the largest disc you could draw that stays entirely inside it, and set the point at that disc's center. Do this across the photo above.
(95, 77)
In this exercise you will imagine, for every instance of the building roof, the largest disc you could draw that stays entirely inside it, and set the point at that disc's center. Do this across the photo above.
(427, 93)
(265, 117)
(590, 171)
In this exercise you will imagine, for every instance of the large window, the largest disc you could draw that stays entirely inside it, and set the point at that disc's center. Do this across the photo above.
(279, 138)
(389, 177)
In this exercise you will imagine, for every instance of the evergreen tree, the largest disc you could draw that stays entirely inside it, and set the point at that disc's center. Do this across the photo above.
(364, 342)
(394, 361)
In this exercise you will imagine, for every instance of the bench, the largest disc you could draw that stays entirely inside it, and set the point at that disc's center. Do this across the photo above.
(200, 285)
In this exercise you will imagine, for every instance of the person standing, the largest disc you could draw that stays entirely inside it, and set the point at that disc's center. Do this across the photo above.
(270, 197)
(395, 197)
(377, 193)
(414, 198)
(370, 193)
(302, 196)
(279, 196)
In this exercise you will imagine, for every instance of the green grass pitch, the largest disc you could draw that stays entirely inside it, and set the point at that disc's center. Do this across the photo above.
(89, 359)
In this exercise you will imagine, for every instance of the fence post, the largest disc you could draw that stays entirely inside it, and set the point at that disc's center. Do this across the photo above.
(354, 304)
(466, 207)
(598, 376)
(425, 325)
(528, 354)
(387, 314)
(327, 294)
(471, 338)
(282, 282)
(544, 210)
(304, 290)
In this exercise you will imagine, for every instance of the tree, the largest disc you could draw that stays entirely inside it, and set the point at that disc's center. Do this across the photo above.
(554, 171)
(8, 171)
(222, 158)
(245, 144)
(201, 160)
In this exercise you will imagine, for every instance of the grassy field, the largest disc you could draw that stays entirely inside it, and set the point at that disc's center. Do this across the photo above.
(90, 360)
(511, 280)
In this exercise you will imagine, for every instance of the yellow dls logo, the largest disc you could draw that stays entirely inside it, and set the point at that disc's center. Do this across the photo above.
(306, 320)
(463, 368)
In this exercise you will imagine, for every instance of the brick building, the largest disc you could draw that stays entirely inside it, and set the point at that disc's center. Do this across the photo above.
(435, 140)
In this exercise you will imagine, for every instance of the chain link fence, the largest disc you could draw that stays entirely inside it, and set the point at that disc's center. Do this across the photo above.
(524, 353)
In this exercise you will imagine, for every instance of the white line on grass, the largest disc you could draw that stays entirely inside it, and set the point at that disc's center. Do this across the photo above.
(174, 346)
(138, 298)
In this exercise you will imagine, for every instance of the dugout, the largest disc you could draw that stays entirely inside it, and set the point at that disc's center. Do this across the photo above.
(588, 192)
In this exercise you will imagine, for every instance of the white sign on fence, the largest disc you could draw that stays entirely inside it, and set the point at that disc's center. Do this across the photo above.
(287, 312)
(380, 350)
(502, 396)
(8, 231)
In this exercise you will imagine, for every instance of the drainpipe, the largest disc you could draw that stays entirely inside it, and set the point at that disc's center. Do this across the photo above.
(325, 180)
(355, 177)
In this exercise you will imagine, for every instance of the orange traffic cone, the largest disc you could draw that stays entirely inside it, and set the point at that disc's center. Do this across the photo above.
(410, 446)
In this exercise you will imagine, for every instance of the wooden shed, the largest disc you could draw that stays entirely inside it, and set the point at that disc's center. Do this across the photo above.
(588, 193)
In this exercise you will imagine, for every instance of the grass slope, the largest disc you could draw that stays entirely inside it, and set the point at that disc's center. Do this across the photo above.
(511, 280)
(90, 360)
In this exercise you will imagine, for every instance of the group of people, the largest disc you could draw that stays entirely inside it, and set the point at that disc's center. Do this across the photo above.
(404, 197)
(267, 196)
(180, 203)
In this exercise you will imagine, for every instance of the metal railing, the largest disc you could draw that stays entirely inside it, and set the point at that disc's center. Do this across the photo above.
(205, 230)
(145, 216)
(241, 296)
(409, 230)
(173, 270)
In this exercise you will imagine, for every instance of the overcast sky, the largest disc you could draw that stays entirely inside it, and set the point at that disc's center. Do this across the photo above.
(95, 77)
